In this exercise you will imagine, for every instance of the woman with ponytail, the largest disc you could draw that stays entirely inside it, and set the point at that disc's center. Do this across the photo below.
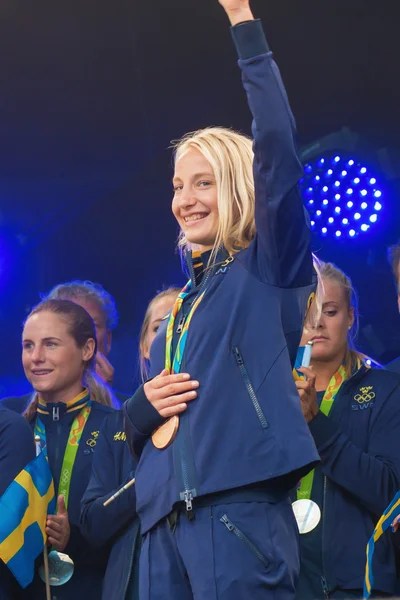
(58, 355)
(352, 411)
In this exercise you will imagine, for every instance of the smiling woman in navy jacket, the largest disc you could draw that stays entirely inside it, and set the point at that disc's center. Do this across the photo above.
(353, 415)
(213, 481)
(113, 466)
(58, 352)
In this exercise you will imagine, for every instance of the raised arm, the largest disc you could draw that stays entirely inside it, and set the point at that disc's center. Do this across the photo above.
(281, 253)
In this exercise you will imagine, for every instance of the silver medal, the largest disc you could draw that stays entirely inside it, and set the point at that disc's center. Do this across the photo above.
(307, 514)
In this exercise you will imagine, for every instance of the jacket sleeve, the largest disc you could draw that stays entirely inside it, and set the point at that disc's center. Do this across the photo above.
(17, 446)
(372, 475)
(100, 523)
(141, 419)
(280, 254)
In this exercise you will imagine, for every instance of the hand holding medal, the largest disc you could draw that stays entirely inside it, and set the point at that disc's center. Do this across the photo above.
(169, 395)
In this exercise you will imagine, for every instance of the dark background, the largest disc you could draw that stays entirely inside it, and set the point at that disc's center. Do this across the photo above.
(92, 92)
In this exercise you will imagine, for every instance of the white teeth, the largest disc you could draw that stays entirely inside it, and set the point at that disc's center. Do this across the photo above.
(196, 217)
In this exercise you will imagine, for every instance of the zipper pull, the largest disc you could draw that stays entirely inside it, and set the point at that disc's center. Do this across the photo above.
(180, 324)
(224, 519)
(56, 413)
(325, 587)
(238, 356)
(188, 498)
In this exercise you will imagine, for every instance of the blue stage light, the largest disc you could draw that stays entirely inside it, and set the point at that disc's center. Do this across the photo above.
(362, 193)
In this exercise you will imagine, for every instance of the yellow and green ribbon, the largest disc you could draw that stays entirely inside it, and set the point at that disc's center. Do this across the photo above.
(173, 364)
(72, 446)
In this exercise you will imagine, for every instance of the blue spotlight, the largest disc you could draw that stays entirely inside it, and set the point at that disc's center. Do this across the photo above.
(340, 188)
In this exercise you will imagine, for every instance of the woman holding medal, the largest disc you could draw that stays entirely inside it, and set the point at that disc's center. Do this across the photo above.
(113, 466)
(219, 428)
(58, 352)
(353, 414)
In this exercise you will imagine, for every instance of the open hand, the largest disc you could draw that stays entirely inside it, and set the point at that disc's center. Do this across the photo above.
(169, 394)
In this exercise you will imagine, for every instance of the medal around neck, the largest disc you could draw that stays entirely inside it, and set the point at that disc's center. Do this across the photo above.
(166, 433)
(307, 514)
(61, 568)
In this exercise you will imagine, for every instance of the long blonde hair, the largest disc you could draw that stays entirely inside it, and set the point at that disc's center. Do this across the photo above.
(230, 155)
(81, 328)
(143, 362)
(329, 272)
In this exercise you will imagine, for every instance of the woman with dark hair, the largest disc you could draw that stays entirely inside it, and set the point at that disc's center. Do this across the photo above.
(352, 411)
(113, 466)
(58, 355)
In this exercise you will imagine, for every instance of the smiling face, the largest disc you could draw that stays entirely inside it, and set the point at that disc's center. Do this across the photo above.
(195, 202)
(52, 361)
(330, 334)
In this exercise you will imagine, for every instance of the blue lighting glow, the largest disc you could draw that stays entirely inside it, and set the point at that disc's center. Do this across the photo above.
(347, 214)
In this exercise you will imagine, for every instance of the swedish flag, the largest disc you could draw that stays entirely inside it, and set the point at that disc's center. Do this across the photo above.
(23, 509)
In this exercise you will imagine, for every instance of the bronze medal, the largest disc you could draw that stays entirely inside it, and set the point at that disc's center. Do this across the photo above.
(166, 433)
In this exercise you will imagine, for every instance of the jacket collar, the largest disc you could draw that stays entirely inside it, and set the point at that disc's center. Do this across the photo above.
(73, 405)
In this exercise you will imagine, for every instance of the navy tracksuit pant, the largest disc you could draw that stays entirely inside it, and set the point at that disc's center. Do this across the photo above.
(238, 551)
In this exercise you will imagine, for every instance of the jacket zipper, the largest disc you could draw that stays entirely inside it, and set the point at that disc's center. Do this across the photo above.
(323, 578)
(130, 565)
(249, 387)
(56, 418)
(241, 536)
(189, 491)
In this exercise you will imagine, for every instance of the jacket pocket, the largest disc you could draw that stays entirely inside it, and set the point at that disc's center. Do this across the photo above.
(249, 387)
(246, 541)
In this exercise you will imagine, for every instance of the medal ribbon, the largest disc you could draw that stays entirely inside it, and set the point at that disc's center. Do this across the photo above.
(71, 449)
(391, 512)
(173, 364)
(306, 483)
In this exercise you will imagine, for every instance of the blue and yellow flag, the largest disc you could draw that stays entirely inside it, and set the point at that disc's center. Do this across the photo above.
(23, 510)
(391, 512)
